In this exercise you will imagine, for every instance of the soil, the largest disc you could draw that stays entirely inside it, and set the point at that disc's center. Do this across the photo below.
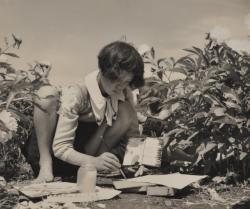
(235, 198)
(229, 197)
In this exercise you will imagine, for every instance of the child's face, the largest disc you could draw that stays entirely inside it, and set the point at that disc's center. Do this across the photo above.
(112, 87)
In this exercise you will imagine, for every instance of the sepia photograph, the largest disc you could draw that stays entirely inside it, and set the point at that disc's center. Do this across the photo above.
(121, 104)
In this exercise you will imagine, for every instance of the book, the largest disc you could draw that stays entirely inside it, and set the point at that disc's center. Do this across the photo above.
(143, 151)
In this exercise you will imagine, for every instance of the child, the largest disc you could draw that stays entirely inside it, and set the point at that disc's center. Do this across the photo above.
(92, 120)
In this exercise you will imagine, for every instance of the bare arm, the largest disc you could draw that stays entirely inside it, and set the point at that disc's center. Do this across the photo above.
(95, 142)
(63, 147)
(65, 136)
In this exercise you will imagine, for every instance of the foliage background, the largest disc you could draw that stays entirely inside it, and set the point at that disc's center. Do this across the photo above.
(206, 112)
(17, 99)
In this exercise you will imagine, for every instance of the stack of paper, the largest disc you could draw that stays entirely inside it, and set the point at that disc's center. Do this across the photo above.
(175, 180)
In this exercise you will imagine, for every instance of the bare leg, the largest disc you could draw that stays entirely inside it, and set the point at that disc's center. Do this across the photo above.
(45, 125)
(126, 117)
(125, 124)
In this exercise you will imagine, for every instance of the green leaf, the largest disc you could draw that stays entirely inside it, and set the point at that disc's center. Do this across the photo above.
(152, 51)
(183, 144)
(191, 50)
(11, 55)
(219, 111)
(213, 100)
(200, 115)
(3, 127)
(227, 155)
(180, 60)
(175, 131)
(11, 96)
(226, 120)
(6, 41)
(19, 116)
(192, 136)
(150, 100)
(199, 51)
(198, 61)
(232, 105)
(179, 70)
(160, 74)
(243, 155)
(4, 64)
(7, 66)
(2, 75)
(164, 60)
(17, 41)
(229, 93)
(231, 140)
(147, 62)
(172, 59)
(203, 149)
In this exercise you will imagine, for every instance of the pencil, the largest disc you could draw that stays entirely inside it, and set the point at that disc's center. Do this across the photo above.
(123, 174)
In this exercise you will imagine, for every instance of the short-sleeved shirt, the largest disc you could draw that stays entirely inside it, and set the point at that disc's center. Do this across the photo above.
(85, 102)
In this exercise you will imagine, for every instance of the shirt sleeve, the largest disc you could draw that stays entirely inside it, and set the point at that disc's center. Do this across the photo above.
(72, 103)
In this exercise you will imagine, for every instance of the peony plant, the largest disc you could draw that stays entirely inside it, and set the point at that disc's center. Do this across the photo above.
(207, 112)
(17, 98)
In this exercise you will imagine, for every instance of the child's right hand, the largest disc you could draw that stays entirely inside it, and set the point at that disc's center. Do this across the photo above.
(107, 162)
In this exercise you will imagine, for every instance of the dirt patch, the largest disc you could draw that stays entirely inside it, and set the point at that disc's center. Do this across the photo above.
(229, 197)
(235, 198)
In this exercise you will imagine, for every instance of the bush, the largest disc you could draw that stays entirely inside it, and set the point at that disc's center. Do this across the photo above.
(17, 94)
(208, 111)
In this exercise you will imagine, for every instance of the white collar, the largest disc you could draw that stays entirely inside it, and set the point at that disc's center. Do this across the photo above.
(102, 106)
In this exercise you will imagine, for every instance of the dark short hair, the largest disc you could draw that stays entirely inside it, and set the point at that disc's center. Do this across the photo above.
(120, 56)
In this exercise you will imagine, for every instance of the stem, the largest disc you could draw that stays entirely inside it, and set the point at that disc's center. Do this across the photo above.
(169, 75)
(5, 50)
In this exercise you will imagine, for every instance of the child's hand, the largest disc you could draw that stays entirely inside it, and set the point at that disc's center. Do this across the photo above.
(107, 162)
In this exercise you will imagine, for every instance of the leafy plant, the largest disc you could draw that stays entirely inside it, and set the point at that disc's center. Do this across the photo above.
(17, 98)
(208, 112)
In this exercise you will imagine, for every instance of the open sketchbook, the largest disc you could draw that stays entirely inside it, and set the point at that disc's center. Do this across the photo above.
(144, 151)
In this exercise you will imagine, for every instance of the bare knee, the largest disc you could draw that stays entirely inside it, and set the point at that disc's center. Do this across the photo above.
(48, 98)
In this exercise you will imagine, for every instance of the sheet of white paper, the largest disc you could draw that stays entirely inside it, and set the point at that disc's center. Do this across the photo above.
(100, 194)
(66, 192)
(44, 189)
(175, 180)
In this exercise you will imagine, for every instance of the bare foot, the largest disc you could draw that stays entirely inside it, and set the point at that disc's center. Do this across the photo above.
(45, 176)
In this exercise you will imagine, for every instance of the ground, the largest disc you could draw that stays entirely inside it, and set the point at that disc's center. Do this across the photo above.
(227, 197)
(185, 201)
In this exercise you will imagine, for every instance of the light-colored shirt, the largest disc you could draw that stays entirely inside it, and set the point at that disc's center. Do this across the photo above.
(83, 102)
